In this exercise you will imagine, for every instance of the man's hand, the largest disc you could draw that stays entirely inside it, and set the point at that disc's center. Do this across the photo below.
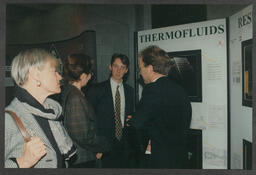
(98, 155)
(127, 119)
(148, 150)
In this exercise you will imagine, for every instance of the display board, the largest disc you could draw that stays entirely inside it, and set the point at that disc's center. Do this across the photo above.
(203, 48)
(240, 84)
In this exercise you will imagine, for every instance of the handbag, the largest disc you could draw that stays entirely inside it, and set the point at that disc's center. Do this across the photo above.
(20, 126)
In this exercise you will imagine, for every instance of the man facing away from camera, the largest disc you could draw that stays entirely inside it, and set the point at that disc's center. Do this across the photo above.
(163, 115)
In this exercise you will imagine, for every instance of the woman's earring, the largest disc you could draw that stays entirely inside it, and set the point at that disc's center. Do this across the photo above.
(38, 83)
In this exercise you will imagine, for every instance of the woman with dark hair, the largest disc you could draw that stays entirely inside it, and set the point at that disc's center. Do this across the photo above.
(79, 116)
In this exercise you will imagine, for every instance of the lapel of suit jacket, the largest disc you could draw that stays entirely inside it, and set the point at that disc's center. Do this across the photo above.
(127, 97)
(110, 97)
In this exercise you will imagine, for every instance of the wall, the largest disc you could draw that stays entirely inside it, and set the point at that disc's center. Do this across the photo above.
(222, 11)
(114, 26)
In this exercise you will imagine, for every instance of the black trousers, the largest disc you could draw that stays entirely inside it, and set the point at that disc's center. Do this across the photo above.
(145, 161)
(115, 158)
(120, 156)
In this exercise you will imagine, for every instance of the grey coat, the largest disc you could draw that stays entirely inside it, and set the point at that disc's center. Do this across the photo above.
(14, 141)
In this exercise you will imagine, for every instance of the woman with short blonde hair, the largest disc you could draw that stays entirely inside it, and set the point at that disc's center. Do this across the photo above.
(35, 73)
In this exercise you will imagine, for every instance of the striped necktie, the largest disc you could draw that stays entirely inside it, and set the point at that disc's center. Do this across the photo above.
(118, 124)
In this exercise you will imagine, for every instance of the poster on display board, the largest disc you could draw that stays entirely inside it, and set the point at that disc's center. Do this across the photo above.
(200, 52)
(240, 48)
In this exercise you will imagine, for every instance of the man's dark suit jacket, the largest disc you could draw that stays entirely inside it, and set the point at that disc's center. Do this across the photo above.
(164, 114)
(100, 96)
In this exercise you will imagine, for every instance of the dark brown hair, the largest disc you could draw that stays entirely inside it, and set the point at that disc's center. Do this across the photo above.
(76, 64)
(158, 58)
(124, 59)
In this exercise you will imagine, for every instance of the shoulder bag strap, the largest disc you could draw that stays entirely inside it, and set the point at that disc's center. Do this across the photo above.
(20, 126)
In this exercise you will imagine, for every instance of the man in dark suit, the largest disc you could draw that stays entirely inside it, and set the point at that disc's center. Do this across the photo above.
(163, 114)
(113, 101)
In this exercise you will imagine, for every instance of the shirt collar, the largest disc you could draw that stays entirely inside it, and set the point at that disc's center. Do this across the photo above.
(157, 79)
(114, 84)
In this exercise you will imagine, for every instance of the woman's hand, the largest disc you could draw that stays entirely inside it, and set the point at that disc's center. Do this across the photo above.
(32, 152)
(98, 155)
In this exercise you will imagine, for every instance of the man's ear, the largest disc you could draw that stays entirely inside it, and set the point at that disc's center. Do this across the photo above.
(110, 67)
(151, 68)
(126, 70)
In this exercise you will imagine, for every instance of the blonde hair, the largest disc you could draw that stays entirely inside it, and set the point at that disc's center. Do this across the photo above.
(26, 59)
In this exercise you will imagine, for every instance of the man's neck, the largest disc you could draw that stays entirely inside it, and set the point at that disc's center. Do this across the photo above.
(117, 81)
(156, 76)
